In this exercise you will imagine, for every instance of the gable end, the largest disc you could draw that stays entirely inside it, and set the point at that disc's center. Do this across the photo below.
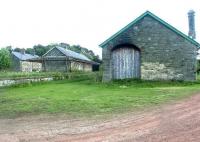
(147, 13)
(54, 52)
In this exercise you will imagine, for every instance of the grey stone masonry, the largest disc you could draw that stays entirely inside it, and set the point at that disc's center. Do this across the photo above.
(57, 59)
(165, 55)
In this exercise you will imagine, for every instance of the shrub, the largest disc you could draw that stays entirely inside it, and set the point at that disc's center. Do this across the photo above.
(5, 59)
(198, 66)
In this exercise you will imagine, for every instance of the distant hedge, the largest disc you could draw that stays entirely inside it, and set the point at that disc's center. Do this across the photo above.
(95, 76)
(5, 59)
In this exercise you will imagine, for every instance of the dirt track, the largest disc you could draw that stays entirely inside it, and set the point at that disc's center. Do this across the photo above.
(179, 122)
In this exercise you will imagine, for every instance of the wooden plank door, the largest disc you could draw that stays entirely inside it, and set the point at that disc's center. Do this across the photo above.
(125, 63)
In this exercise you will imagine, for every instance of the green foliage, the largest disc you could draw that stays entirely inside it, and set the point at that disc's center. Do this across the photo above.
(79, 76)
(198, 66)
(5, 59)
(87, 98)
(198, 77)
(152, 84)
(9, 48)
(17, 49)
(30, 51)
(41, 50)
(92, 76)
(15, 75)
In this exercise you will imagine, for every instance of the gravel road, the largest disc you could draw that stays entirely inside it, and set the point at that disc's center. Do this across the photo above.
(175, 122)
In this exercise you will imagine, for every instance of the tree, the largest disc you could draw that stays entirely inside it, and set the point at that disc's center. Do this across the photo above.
(30, 51)
(9, 48)
(64, 45)
(5, 59)
(97, 59)
(17, 49)
(41, 50)
(198, 66)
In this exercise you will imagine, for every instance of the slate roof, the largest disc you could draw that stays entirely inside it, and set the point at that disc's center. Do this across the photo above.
(72, 54)
(24, 57)
(147, 13)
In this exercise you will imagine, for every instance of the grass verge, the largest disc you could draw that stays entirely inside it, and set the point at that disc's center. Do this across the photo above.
(87, 98)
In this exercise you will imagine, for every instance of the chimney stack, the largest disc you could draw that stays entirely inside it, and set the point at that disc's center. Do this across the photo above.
(191, 22)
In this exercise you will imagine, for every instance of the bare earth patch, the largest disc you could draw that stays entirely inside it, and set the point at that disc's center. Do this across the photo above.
(175, 122)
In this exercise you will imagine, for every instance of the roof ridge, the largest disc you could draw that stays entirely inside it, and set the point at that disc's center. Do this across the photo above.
(21, 56)
(68, 50)
(24, 53)
(78, 54)
(156, 18)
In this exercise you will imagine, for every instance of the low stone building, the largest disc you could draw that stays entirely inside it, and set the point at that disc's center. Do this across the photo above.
(21, 62)
(64, 60)
(150, 49)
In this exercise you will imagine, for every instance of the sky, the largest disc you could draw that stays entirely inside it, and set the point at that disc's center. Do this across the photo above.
(25, 23)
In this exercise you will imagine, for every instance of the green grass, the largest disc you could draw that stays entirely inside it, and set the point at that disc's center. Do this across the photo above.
(86, 98)
(13, 75)
(55, 75)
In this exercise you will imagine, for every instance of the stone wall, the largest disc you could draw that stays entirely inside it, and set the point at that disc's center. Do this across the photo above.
(24, 66)
(165, 55)
(87, 67)
(80, 66)
(65, 66)
(36, 66)
(55, 60)
(9, 82)
(55, 65)
(15, 63)
(30, 66)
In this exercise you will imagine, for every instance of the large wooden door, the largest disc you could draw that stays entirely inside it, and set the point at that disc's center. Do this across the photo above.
(125, 63)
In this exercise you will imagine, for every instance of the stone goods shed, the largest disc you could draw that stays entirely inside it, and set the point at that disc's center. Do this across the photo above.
(150, 49)
(20, 62)
(64, 60)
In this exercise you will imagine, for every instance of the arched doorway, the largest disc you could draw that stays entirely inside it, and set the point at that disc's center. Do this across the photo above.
(125, 62)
